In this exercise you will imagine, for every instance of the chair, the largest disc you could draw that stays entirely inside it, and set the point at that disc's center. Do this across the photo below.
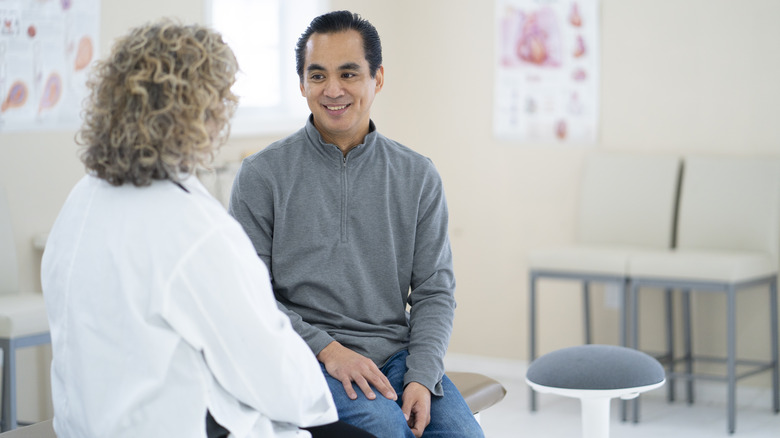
(627, 205)
(22, 317)
(43, 429)
(595, 374)
(727, 241)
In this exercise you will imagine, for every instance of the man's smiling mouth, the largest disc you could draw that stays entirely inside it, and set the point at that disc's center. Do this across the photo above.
(336, 108)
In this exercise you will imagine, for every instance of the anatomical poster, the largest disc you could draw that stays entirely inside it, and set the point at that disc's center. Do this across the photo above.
(547, 77)
(46, 50)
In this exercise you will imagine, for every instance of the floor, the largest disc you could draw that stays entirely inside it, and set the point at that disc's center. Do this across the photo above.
(560, 417)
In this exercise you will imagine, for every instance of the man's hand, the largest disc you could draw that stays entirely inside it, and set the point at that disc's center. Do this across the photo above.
(417, 407)
(347, 366)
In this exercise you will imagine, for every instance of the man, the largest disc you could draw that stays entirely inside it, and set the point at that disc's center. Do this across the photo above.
(348, 222)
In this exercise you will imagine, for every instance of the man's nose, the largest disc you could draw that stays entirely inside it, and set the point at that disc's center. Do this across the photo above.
(333, 88)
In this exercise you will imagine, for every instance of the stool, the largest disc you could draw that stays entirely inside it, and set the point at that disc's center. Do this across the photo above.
(479, 391)
(595, 374)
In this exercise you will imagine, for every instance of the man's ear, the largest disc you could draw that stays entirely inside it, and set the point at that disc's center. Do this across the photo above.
(380, 78)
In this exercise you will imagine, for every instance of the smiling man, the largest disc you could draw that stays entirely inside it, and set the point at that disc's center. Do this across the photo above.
(340, 85)
(353, 229)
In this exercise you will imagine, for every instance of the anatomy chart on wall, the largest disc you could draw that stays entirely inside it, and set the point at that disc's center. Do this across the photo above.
(46, 48)
(547, 78)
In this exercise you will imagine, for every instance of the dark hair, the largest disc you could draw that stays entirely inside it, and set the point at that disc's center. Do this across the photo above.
(341, 21)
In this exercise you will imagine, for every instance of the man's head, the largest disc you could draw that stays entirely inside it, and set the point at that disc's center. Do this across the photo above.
(340, 77)
(340, 21)
(159, 104)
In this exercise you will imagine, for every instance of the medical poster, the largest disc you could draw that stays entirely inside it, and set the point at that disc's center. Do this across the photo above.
(547, 71)
(46, 50)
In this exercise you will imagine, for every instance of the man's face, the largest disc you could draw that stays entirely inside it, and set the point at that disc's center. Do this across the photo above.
(338, 86)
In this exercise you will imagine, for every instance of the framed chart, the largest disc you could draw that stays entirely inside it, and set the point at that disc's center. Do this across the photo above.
(46, 49)
(547, 71)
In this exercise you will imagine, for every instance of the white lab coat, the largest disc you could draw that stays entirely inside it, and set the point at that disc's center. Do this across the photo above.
(161, 310)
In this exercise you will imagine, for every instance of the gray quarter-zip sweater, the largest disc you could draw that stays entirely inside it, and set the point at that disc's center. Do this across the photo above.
(350, 242)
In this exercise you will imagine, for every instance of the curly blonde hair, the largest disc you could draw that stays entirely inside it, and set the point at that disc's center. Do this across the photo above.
(160, 105)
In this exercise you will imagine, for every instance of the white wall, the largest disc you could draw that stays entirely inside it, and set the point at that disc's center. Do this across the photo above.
(678, 76)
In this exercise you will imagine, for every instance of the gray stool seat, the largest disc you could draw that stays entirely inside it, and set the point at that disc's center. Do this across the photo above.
(595, 374)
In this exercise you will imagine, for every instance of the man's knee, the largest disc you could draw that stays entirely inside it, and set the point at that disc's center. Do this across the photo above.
(470, 428)
(387, 424)
(381, 417)
(454, 426)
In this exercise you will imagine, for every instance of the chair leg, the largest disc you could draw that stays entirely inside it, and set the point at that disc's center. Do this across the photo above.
(774, 339)
(625, 332)
(633, 299)
(731, 359)
(624, 305)
(669, 301)
(586, 311)
(8, 420)
(688, 344)
(595, 417)
(532, 332)
(627, 302)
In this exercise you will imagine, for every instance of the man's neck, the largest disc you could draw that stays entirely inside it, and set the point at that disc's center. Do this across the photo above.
(345, 143)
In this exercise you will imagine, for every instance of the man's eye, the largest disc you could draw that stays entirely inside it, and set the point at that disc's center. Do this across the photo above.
(348, 75)
(317, 77)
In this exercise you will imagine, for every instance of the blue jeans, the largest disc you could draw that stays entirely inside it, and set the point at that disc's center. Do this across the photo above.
(450, 415)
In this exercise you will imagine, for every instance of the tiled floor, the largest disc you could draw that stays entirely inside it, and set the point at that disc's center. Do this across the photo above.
(560, 417)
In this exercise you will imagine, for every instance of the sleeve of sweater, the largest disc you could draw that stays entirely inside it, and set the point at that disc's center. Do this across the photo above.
(252, 205)
(432, 289)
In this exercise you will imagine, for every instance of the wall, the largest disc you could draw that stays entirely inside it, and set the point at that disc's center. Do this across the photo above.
(677, 77)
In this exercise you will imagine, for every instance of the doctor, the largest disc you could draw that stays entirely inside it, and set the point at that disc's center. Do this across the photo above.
(162, 318)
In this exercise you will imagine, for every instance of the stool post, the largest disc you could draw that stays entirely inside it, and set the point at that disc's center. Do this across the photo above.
(595, 417)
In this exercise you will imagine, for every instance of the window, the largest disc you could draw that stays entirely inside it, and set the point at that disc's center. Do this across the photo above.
(263, 33)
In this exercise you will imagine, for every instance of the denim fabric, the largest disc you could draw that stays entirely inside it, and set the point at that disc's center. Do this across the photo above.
(450, 415)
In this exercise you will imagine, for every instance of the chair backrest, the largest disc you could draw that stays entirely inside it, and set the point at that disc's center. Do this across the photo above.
(9, 269)
(730, 203)
(628, 199)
